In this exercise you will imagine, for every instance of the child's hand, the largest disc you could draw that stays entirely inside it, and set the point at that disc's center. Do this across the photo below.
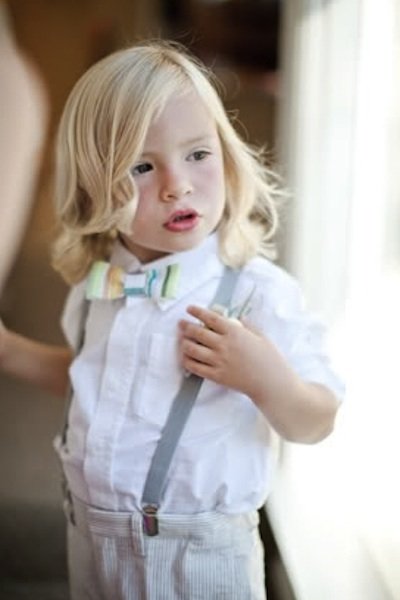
(223, 350)
(231, 354)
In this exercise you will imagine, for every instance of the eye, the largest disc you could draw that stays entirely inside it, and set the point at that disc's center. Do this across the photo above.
(199, 155)
(141, 169)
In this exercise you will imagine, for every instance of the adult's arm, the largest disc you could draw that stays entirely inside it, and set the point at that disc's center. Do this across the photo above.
(23, 110)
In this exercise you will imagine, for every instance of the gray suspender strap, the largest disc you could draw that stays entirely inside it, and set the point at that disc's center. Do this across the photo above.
(176, 420)
(61, 439)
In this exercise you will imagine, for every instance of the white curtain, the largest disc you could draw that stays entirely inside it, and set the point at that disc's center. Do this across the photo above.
(335, 506)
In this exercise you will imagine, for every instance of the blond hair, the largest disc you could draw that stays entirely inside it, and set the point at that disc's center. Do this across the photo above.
(101, 134)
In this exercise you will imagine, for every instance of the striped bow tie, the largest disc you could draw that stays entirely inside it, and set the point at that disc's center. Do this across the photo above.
(107, 282)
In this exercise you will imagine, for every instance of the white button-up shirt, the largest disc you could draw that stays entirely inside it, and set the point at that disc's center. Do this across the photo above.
(128, 372)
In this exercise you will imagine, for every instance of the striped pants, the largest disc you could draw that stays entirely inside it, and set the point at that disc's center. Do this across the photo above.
(209, 556)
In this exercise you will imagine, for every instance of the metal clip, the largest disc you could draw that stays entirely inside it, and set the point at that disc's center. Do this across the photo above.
(150, 521)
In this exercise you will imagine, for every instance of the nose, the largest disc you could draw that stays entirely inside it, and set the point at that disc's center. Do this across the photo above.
(175, 185)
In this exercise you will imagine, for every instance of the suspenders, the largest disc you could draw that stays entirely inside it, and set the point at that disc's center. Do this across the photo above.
(177, 417)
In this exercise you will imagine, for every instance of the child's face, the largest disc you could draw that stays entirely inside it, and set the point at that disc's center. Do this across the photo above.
(180, 181)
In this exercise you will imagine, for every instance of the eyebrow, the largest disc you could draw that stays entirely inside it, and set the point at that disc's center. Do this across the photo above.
(197, 140)
(200, 139)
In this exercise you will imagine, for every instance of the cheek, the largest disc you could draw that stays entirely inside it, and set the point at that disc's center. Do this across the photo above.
(144, 203)
(213, 179)
(143, 191)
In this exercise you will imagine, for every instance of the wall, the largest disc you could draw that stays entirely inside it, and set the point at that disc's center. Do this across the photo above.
(63, 38)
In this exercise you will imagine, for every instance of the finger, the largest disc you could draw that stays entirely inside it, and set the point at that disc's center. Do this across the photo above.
(193, 351)
(198, 368)
(199, 333)
(209, 318)
(234, 321)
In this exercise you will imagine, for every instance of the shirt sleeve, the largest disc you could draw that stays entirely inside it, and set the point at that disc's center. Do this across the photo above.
(302, 337)
(308, 354)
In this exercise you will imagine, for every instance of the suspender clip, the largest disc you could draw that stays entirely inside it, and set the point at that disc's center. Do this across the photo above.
(150, 521)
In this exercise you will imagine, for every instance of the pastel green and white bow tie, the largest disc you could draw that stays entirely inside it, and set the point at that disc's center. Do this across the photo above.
(108, 282)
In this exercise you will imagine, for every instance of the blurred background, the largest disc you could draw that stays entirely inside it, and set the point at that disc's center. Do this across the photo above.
(317, 83)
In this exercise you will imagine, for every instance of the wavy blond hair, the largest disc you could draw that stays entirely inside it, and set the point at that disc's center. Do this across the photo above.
(101, 134)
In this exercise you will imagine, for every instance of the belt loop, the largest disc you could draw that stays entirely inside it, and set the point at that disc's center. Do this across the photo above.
(137, 535)
(150, 521)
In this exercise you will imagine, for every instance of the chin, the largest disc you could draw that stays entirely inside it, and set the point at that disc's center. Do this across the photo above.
(188, 244)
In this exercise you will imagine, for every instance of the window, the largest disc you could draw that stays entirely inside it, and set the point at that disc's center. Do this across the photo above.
(335, 508)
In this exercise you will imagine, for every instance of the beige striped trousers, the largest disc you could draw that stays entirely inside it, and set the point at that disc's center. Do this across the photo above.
(208, 556)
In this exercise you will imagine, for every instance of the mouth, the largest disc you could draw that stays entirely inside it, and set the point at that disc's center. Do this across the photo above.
(182, 220)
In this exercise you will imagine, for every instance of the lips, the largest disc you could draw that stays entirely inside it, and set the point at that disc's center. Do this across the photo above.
(182, 220)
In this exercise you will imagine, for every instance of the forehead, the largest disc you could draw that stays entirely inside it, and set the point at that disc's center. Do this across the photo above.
(183, 116)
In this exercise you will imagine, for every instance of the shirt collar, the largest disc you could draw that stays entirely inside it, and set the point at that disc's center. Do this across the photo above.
(197, 265)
